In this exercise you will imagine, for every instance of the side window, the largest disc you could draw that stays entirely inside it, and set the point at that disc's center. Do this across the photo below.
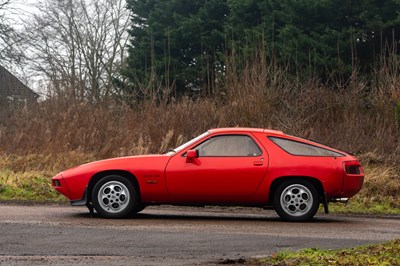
(303, 149)
(229, 145)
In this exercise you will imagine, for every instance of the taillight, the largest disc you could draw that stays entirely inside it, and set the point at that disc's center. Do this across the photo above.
(352, 168)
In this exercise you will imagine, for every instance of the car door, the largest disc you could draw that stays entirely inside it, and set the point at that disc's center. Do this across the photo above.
(227, 165)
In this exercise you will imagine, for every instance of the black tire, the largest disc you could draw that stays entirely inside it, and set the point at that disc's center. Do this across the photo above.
(296, 200)
(140, 208)
(114, 197)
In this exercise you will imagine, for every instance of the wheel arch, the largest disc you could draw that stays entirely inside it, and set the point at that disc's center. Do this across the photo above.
(123, 173)
(314, 181)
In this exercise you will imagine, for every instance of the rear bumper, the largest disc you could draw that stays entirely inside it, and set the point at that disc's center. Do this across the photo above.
(353, 179)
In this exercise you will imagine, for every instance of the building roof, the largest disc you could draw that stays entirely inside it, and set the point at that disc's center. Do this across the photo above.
(10, 85)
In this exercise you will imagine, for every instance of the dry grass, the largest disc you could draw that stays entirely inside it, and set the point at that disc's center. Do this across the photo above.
(352, 120)
(381, 181)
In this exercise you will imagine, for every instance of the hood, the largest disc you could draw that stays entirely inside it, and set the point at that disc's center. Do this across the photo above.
(120, 163)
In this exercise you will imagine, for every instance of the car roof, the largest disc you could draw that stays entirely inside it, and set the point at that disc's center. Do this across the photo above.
(245, 129)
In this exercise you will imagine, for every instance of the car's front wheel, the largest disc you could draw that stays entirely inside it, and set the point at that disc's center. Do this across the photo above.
(114, 197)
(296, 200)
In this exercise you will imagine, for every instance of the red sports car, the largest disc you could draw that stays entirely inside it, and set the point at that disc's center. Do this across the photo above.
(225, 166)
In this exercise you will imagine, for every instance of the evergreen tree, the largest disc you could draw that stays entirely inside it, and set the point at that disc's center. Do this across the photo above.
(177, 41)
(182, 43)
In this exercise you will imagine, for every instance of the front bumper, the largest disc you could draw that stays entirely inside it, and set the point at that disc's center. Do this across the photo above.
(60, 185)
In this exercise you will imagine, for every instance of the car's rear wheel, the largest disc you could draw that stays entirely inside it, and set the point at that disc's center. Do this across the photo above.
(296, 200)
(140, 208)
(114, 197)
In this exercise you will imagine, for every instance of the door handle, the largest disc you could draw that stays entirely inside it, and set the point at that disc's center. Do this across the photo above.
(258, 163)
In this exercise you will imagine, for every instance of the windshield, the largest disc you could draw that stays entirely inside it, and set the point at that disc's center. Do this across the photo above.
(187, 144)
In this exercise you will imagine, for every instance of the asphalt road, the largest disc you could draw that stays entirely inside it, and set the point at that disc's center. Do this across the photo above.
(166, 235)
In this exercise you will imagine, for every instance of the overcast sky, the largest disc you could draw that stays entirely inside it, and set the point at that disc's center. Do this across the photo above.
(17, 13)
(20, 9)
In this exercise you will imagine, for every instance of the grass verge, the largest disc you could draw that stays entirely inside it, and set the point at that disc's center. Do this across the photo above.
(380, 254)
(386, 205)
(27, 186)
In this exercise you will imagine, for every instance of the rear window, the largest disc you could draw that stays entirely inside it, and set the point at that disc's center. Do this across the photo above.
(303, 149)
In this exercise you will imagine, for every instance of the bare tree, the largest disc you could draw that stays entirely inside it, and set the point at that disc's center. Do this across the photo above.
(79, 45)
(5, 30)
(9, 38)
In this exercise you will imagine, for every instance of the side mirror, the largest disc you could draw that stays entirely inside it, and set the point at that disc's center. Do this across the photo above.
(192, 154)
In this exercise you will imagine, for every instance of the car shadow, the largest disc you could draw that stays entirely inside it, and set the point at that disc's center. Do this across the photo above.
(213, 217)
